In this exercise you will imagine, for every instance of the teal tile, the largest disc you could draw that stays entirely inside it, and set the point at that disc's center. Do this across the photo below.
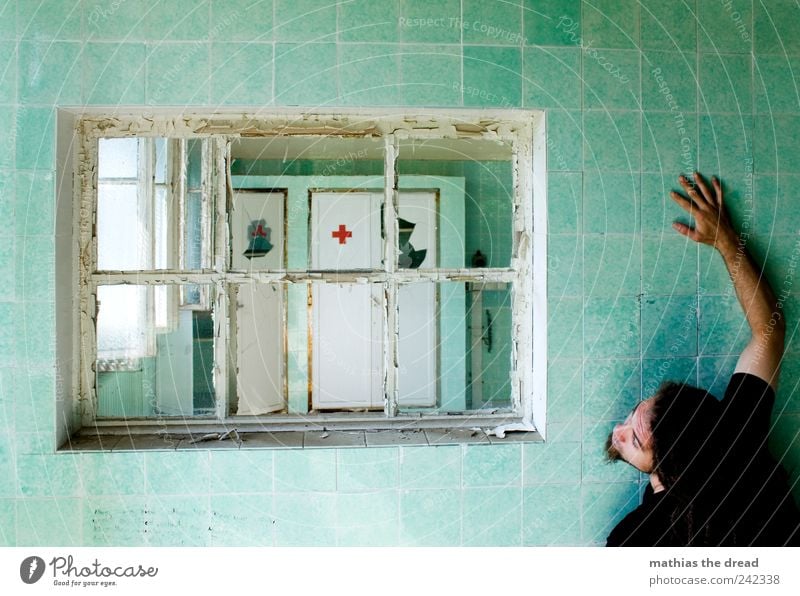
(430, 467)
(612, 83)
(368, 519)
(372, 469)
(551, 463)
(611, 388)
(305, 20)
(7, 199)
(494, 23)
(121, 20)
(8, 514)
(669, 82)
(564, 140)
(430, 75)
(8, 274)
(787, 400)
(492, 517)
(241, 73)
(49, 72)
(492, 76)
(430, 22)
(604, 506)
(775, 88)
(49, 19)
(7, 343)
(242, 20)
(551, 515)
(113, 73)
(723, 327)
(178, 21)
(657, 370)
(305, 74)
(112, 474)
(669, 326)
(303, 519)
(371, 73)
(777, 27)
(669, 142)
(8, 461)
(241, 520)
(430, 517)
(669, 25)
(658, 209)
(726, 83)
(552, 22)
(612, 265)
(564, 203)
(492, 465)
(785, 443)
(775, 141)
(552, 78)
(48, 476)
(791, 310)
(35, 403)
(305, 470)
(611, 327)
(775, 198)
(236, 471)
(715, 372)
(35, 138)
(726, 144)
(33, 443)
(178, 73)
(10, 126)
(596, 468)
(611, 202)
(780, 263)
(564, 266)
(49, 522)
(364, 20)
(611, 23)
(35, 203)
(612, 141)
(725, 26)
(35, 329)
(8, 19)
(565, 328)
(8, 72)
(114, 521)
(35, 267)
(178, 521)
(169, 472)
(564, 390)
(669, 265)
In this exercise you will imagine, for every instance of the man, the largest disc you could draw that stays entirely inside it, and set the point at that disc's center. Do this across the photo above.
(712, 481)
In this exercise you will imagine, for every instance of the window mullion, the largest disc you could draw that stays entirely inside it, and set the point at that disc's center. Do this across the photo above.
(216, 161)
(390, 243)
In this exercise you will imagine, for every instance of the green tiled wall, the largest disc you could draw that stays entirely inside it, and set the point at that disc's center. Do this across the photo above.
(659, 87)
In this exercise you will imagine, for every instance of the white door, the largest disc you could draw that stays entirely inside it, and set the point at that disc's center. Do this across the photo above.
(257, 243)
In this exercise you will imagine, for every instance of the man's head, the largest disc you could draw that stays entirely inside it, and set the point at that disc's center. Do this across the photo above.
(670, 434)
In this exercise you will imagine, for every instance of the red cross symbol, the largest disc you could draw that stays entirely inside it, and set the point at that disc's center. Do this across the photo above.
(342, 234)
(259, 231)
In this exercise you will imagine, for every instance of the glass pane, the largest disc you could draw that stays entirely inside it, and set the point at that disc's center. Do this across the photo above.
(121, 230)
(259, 358)
(456, 203)
(454, 352)
(310, 169)
(160, 169)
(118, 158)
(153, 358)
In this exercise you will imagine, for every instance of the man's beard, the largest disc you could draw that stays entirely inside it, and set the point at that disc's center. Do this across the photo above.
(611, 452)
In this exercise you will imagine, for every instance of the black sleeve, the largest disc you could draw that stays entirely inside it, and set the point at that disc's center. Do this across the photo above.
(747, 407)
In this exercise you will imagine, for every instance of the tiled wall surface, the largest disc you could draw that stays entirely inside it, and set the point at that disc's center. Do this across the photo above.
(636, 91)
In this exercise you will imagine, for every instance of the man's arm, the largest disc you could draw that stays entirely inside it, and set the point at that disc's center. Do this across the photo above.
(762, 356)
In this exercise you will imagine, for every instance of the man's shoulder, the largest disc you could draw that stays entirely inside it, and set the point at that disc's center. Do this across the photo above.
(647, 525)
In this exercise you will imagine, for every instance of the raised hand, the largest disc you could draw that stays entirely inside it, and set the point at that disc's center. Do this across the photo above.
(712, 224)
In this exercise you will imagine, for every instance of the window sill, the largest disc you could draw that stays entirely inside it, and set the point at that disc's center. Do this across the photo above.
(290, 440)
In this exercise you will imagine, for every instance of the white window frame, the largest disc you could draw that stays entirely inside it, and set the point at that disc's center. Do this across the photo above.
(524, 130)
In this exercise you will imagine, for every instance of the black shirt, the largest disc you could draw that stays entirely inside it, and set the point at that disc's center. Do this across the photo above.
(755, 507)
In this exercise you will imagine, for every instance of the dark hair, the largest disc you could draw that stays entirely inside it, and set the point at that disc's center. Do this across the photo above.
(686, 456)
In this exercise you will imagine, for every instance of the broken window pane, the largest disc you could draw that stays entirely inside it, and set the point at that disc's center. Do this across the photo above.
(456, 200)
(454, 347)
(153, 358)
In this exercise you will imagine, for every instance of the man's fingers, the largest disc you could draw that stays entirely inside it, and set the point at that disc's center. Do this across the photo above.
(699, 201)
(683, 201)
(717, 189)
(685, 230)
(704, 188)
